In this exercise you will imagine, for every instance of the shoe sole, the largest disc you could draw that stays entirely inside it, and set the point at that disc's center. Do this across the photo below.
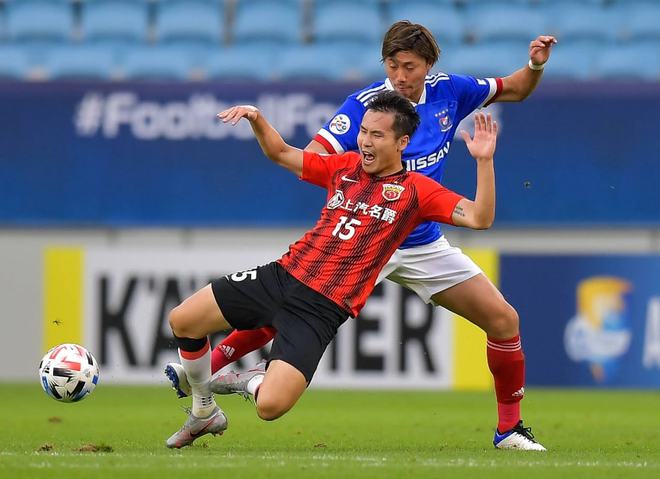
(219, 433)
(174, 379)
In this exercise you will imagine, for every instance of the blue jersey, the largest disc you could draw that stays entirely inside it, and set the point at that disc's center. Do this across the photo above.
(446, 100)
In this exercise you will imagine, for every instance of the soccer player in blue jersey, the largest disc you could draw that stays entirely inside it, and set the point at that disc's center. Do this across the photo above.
(426, 263)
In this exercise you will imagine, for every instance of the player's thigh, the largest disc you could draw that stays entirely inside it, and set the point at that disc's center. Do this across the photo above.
(282, 387)
(434, 267)
(479, 301)
(306, 324)
(249, 299)
(198, 315)
(389, 270)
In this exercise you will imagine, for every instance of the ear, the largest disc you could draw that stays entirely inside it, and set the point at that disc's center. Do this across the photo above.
(403, 142)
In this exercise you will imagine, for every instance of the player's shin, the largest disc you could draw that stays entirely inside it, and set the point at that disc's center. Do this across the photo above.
(195, 355)
(507, 363)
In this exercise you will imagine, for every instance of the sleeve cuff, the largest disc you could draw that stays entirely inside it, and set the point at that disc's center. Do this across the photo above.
(496, 86)
(329, 142)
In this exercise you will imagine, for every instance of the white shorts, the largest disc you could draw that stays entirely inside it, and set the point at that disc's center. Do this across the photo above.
(429, 269)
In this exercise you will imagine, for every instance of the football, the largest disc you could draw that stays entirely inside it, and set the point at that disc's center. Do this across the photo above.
(68, 373)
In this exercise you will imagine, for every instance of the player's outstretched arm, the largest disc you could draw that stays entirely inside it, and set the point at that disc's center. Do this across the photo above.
(480, 213)
(270, 141)
(521, 83)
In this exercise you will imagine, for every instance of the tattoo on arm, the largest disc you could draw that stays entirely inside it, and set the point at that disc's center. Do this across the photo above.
(459, 211)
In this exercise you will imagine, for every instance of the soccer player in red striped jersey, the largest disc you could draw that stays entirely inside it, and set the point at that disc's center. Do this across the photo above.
(373, 203)
(425, 262)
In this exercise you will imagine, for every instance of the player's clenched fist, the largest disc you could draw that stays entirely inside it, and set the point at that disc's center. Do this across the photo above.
(235, 113)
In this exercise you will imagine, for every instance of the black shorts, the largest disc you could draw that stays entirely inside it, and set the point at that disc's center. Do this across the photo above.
(306, 321)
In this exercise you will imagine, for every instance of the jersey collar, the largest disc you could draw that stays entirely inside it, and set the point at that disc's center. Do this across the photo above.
(422, 99)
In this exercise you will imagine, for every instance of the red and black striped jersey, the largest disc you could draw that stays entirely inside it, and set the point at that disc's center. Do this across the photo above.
(364, 221)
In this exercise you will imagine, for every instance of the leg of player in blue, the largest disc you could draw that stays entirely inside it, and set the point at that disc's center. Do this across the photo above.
(478, 300)
(517, 438)
(177, 377)
(507, 363)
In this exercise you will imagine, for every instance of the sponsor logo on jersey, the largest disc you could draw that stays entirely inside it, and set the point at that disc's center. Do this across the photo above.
(340, 124)
(360, 208)
(444, 120)
(345, 178)
(429, 160)
(392, 192)
(336, 200)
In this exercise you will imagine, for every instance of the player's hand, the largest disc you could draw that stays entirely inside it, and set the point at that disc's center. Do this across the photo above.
(539, 49)
(482, 146)
(235, 113)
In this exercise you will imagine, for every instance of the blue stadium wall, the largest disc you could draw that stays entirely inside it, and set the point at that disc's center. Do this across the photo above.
(149, 154)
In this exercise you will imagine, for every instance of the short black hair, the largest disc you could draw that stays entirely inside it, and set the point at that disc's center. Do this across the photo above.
(405, 36)
(406, 118)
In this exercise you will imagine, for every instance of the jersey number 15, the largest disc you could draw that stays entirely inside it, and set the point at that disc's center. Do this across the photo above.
(345, 228)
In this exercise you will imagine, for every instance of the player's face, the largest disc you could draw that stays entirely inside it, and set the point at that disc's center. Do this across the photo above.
(380, 149)
(407, 72)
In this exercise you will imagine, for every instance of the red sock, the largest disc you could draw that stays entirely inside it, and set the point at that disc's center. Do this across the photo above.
(238, 344)
(507, 363)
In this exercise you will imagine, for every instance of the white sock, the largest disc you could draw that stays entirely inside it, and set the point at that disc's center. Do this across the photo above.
(198, 372)
(254, 383)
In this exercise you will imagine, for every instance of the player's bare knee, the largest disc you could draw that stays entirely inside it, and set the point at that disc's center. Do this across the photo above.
(269, 410)
(504, 323)
(512, 319)
(179, 322)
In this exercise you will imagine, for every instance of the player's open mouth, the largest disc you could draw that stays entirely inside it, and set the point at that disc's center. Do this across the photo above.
(368, 158)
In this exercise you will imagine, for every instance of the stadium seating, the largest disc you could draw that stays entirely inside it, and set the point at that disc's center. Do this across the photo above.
(475, 5)
(632, 61)
(157, 63)
(484, 60)
(366, 63)
(193, 22)
(331, 23)
(371, 3)
(346, 34)
(259, 21)
(81, 62)
(573, 60)
(584, 23)
(119, 22)
(505, 23)
(445, 22)
(481, 3)
(253, 61)
(14, 62)
(39, 21)
(315, 62)
(573, 3)
(642, 22)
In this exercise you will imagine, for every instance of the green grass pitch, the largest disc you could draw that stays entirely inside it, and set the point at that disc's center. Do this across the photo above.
(329, 434)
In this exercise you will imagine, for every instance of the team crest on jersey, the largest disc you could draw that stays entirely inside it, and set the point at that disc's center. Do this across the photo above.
(340, 124)
(336, 200)
(392, 192)
(444, 120)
